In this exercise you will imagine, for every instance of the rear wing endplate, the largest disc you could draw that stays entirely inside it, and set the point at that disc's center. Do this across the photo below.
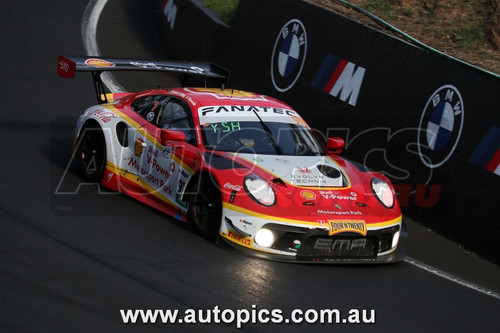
(68, 66)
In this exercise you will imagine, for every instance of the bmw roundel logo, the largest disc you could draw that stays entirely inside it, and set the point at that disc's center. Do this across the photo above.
(289, 55)
(440, 126)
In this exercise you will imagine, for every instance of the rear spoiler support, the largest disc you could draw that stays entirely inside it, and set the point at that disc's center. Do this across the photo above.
(100, 91)
(67, 66)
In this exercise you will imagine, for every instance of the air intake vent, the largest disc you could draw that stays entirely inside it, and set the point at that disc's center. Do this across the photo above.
(221, 163)
(329, 171)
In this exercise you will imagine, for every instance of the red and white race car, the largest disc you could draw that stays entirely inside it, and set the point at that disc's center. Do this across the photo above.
(243, 168)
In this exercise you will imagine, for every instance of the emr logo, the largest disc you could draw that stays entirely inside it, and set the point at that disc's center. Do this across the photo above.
(340, 78)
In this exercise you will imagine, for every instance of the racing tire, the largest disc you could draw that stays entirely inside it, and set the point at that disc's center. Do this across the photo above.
(205, 209)
(90, 154)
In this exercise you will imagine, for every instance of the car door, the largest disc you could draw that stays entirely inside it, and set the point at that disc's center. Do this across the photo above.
(167, 165)
(176, 116)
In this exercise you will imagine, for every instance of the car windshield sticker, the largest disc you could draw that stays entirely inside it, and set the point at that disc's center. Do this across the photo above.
(228, 113)
(224, 127)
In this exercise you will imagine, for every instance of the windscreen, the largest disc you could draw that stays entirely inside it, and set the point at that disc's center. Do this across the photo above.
(271, 138)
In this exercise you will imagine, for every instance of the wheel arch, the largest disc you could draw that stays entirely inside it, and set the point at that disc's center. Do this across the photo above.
(194, 182)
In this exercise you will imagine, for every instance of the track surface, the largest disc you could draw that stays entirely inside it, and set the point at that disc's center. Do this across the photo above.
(70, 262)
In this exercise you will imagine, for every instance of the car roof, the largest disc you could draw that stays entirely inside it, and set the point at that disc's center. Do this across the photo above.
(214, 96)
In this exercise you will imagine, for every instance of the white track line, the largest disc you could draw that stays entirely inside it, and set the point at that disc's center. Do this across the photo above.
(89, 32)
(452, 278)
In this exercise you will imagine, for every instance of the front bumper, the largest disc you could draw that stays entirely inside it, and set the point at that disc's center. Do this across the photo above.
(309, 244)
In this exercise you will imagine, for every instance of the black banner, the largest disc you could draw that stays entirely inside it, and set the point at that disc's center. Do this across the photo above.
(430, 123)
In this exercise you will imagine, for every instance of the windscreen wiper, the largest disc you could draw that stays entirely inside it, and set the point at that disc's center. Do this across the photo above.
(269, 134)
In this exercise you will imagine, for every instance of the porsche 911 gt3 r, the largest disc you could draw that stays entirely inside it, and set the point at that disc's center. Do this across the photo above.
(243, 168)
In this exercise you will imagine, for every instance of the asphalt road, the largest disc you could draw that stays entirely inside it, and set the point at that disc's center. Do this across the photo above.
(72, 256)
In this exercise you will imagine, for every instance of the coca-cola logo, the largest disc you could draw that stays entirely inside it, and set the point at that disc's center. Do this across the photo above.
(233, 187)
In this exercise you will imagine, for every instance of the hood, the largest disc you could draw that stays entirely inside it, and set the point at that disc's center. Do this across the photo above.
(301, 171)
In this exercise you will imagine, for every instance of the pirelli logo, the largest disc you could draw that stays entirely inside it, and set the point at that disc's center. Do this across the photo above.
(337, 226)
(245, 241)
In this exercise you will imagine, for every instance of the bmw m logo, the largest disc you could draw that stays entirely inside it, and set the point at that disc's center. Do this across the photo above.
(289, 55)
(440, 126)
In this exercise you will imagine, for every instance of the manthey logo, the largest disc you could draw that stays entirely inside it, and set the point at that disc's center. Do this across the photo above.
(440, 126)
(289, 55)
(339, 78)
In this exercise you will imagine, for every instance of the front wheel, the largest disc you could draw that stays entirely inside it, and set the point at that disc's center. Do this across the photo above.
(90, 153)
(205, 209)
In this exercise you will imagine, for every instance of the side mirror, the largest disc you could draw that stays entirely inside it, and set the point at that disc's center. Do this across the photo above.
(335, 145)
(170, 135)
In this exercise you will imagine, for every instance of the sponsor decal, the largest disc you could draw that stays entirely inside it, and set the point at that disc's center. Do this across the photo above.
(360, 204)
(339, 244)
(147, 174)
(339, 207)
(243, 110)
(178, 200)
(331, 195)
(104, 115)
(152, 151)
(337, 227)
(339, 78)
(167, 188)
(139, 147)
(306, 179)
(152, 65)
(150, 116)
(94, 62)
(166, 152)
(66, 68)
(246, 222)
(63, 66)
(289, 55)
(245, 241)
(308, 195)
(308, 203)
(440, 126)
(232, 187)
(322, 223)
(303, 170)
(110, 176)
(170, 12)
(296, 244)
(487, 153)
(335, 212)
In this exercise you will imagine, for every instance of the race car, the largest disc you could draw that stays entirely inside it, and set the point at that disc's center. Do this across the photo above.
(244, 169)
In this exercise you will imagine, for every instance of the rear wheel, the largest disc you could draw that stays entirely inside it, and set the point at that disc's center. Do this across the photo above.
(91, 153)
(205, 209)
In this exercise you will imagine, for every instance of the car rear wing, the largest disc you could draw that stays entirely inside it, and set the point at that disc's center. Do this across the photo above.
(68, 66)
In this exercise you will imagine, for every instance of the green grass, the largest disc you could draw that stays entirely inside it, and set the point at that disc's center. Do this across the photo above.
(226, 9)
(384, 8)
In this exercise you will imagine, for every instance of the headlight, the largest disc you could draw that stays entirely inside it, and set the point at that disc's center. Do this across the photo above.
(264, 237)
(259, 190)
(383, 192)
